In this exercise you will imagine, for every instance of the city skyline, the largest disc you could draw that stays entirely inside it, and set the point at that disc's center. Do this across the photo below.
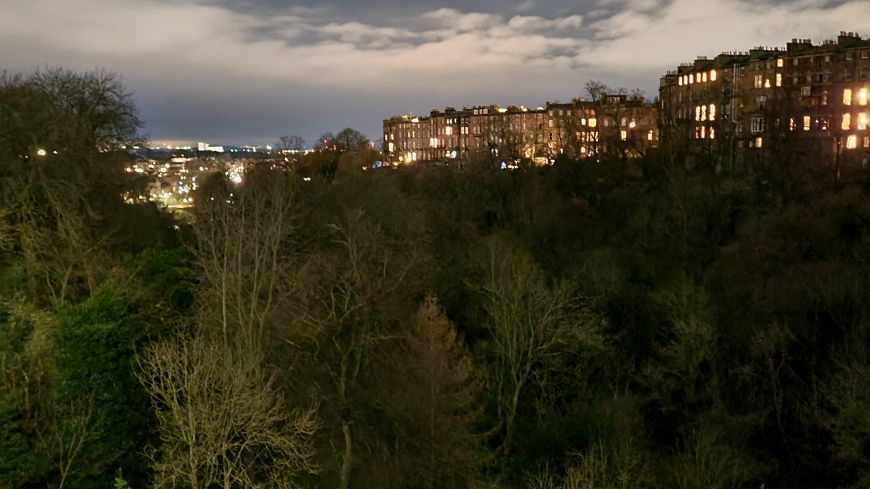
(246, 72)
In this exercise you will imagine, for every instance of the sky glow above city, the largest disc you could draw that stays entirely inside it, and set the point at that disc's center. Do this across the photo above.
(249, 71)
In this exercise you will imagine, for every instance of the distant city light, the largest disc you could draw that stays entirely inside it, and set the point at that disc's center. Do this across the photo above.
(40, 152)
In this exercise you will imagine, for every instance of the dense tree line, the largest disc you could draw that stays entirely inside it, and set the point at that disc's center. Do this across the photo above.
(591, 324)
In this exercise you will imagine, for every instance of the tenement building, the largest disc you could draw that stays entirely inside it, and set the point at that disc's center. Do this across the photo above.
(612, 124)
(804, 103)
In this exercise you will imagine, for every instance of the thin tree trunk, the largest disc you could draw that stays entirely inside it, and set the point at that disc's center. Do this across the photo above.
(347, 460)
(509, 422)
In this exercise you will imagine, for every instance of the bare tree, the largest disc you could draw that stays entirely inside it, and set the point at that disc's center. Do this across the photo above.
(70, 431)
(595, 89)
(530, 322)
(291, 143)
(62, 173)
(221, 419)
(352, 286)
(350, 139)
(242, 251)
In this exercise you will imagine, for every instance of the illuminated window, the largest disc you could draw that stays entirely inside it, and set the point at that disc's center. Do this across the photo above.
(779, 79)
(758, 81)
(712, 112)
(649, 136)
(703, 132)
(697, 112)
(862, 121)
(703, 112)
(807, 123)
(847, 122)
(680, 81)
(593, 122)
(704, 77)
(449, 130)
(867, 141)
(791, 124)
(862, 96)
(691, 79)
(712, 75)
(623, 135)
(759, 142)
(847, 96)
(780, 63)
(852, 142)
(767, 83)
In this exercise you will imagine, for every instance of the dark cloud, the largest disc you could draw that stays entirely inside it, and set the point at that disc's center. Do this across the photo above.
(387, 11)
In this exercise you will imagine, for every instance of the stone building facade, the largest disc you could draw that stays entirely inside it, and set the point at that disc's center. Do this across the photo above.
(805, 102)
(612, 124)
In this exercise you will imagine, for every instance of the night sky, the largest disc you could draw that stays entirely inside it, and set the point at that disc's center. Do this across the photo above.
(248, 71)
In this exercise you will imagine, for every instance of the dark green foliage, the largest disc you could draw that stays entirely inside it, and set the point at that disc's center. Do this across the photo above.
(96, 342)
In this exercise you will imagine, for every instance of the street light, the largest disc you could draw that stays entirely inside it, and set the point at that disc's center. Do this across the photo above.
(40, 152)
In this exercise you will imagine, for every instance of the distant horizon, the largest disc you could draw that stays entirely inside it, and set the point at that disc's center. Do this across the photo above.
(264, 141)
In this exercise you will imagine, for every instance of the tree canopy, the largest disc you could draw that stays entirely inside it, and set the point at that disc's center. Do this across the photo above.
(597, 323)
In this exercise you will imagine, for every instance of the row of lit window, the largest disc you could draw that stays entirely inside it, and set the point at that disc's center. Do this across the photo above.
(409, 157)
(702, 113)
(846, 123)
(702, 132)
(649, 135)
(861, 96)
(852, 141)
(808, 123)
(760, 82)
(693, 78)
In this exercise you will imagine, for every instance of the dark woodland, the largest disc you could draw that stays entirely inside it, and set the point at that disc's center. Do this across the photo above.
(613, 322)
